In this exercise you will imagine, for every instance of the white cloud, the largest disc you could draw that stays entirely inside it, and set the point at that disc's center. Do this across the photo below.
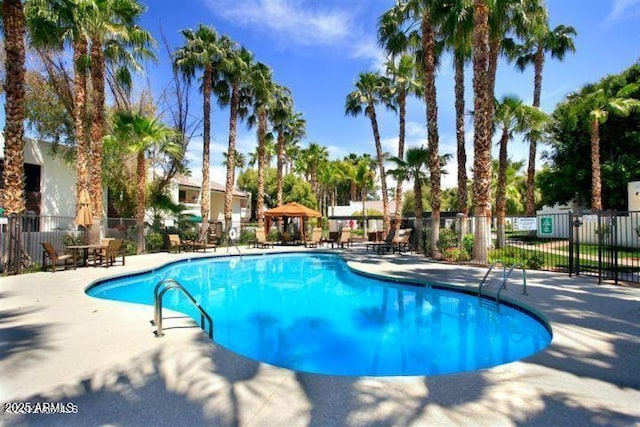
(623, 9)
(295, 21)
(369, 49)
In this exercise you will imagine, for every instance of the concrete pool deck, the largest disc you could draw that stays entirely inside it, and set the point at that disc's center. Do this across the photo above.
(58, 345)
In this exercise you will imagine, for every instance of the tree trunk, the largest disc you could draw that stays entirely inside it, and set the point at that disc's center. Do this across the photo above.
(13, 199)
(402, 104)
(531, 168)
(280, 167)
(262, 131)
(482, 129)
(429, 64)
(596, 184)
(231, 157)
(417, 191)
(460, 138)
(97, 128)
(501, 202)
(141, 172)
(79, 116)
(206, 108)
(383, 176)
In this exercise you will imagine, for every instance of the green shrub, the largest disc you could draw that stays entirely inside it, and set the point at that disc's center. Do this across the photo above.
(155, 241)
(447, 239)
(467, 243)
(189, 234)
(73, 239)
(247, 236)
(535, 260)
(130, 247)
(273, 235)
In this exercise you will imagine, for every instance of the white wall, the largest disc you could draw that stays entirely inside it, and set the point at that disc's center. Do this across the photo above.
(57, 178)
(633, 189)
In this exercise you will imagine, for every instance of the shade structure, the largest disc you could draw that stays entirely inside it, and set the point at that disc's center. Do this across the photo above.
(84, 217)
(291, 210)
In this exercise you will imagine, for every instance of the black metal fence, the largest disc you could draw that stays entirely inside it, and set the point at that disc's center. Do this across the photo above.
(602, 244)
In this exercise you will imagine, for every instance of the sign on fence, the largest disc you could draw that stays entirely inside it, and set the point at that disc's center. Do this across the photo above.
(525, 224)
(546, 225)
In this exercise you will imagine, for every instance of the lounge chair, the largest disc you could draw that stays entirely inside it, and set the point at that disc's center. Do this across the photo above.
(108, 254)
(316, 238)
(384, 246)
(403, 242)
(261, 239)
(175, 243)
(345, 238)
(203, 244)
(50, 252)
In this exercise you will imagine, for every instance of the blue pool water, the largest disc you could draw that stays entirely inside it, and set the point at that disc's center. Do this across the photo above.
(311, 313)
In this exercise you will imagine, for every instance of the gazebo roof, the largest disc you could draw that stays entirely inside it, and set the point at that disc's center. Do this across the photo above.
(292, 209)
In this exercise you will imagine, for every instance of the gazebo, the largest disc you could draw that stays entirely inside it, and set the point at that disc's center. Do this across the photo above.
(290, 210)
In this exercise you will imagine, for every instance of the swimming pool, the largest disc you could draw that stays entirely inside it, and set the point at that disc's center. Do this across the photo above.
(311, 313)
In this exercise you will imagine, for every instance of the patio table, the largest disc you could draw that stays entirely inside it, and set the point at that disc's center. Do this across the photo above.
(85, 251)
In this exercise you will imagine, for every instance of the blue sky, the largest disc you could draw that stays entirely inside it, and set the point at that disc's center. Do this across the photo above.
(318, 47)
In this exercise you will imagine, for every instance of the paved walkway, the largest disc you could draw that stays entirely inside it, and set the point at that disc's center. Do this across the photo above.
(58, 345)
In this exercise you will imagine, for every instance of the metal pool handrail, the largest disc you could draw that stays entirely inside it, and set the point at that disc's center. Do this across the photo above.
(158, 293)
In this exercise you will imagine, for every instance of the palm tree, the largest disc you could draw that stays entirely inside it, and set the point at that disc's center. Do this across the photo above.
(398, 28)
(372, 89)
(51, 24)
(13, 24)
(413, 167)
(456, 27)
(511, 116)
(261, 88)
(202, 51)
(280, 115)
(314, 156)
(111, 28)
(142, 134)
(482, 129)
(540, 41)
(239, 159)
(364, 176)
(232, 91)
(404, 82)
(600, 104)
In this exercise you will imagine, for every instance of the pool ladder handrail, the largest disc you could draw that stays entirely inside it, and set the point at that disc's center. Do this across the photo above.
(505, 276)
(158, 294)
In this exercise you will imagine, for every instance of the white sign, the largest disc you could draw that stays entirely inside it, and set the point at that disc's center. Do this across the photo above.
(589, 218)
(525, 224)
(4, 221)
(169, 222)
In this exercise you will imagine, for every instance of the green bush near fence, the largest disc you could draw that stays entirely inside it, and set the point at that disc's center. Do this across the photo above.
(73, 239)
(155, 241)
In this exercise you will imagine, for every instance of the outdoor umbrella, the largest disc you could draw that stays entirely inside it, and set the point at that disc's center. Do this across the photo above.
(84, 216)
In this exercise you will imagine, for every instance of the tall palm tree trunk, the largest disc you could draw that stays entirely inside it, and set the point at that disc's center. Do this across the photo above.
(383, 177)
(460, 140)
(262, 132)
(12, 198)
(13, 176)
(141, 173)
(482, 129)
(429, 65)
(596, 184)
(206, 138)
(79, 116)
(531, 168)
(501, 201)
(97, 127)
(231, 156)
(402, 104)
(280, 167)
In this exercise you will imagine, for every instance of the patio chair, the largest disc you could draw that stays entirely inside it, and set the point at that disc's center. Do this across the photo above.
(316, 238)
(50, 252)
(261, 239)
(345, 237)
(108, 254)
(203, 244)
(175, 243)
(403, 242)
(384, 246)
